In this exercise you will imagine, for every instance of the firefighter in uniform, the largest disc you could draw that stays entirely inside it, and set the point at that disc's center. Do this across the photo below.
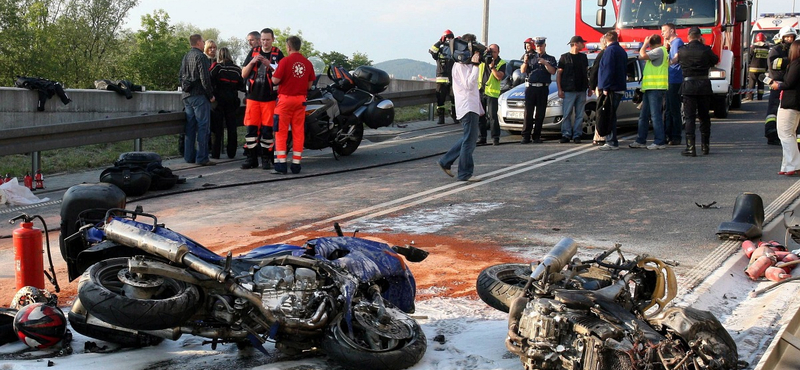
(777, 62)
(758, 66)
(444, 68)
(260, 104)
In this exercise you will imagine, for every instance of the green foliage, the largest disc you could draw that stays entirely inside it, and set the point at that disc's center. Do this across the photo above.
(339, 59)
(360, 59)
(306, 48)
(155, 57)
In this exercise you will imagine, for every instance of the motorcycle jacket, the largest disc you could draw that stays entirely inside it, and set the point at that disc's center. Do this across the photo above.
(778, 60)
(259, 82)
(759, 52)
(444, 65)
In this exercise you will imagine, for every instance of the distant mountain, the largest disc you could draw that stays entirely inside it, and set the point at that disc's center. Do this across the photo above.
(407, 69)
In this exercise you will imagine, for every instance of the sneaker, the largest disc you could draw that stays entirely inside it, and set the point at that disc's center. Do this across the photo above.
(655, 146)
(636, 145)
(607, 147)
(564, 140)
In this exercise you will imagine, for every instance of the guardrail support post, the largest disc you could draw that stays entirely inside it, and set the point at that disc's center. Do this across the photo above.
(430, 112)
(36, 162)
(137, 145)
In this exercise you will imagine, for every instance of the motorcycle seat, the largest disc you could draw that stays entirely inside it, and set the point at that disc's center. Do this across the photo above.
(352, 100)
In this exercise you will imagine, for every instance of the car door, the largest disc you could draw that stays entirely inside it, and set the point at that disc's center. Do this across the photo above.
(628, 113)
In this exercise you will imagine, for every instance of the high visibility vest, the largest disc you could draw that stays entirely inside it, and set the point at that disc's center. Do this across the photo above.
(492, 88)
(656, 78)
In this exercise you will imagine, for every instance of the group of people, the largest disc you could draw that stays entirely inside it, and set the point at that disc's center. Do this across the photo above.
(276, 89)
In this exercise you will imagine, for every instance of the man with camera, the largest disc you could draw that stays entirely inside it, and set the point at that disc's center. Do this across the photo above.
(491, 73)
(539, 67)
(468, 109)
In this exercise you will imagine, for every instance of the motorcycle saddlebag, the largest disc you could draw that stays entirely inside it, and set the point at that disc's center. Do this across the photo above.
(316, 134)
(371, 79)
(138, 159)
(132, 180)
(379, 114)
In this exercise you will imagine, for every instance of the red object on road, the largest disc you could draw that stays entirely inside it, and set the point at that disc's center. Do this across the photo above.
(39, 179)
(7, 178)
(748, 246)
(28, 181)
(28, 256)
(776, 274)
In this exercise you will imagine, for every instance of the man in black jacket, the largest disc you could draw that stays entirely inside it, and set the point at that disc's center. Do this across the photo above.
(444, 67)
(197, 98)
(696, 59)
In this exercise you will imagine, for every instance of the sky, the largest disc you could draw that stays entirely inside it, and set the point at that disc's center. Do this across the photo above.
(389, 29)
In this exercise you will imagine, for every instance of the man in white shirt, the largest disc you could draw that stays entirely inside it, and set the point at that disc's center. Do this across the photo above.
(468, 111)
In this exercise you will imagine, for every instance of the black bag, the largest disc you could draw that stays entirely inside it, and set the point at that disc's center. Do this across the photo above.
(161, 177)
(132, 180)
(605, 113)
(138, 159)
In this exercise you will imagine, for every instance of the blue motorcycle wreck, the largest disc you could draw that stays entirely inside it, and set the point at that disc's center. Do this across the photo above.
(346, 297)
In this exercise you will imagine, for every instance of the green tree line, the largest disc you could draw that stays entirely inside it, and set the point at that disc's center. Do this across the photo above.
(76, 42)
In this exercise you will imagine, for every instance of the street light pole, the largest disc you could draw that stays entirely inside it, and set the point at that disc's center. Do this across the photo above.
(485, 34)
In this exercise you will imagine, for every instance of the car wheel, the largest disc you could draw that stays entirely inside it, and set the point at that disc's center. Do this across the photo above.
(589, 119)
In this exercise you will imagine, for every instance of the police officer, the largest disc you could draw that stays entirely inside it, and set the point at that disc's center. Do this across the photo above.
(758, 66)
(444, 68)
(540, 67)
(777, 61)
(696, 59)
(490, 75)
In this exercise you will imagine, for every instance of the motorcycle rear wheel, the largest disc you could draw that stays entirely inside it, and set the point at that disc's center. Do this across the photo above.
(102, 294)
(370, 350)
(499, 285)
(350, 145)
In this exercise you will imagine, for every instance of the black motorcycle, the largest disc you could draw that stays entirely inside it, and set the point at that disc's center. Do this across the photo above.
(336, 114)
(569, 314)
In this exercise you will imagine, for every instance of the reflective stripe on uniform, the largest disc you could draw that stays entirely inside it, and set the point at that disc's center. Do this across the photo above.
(434, 49)
(250, 142)
(656, 78)
(771, 118)
(442, 80)
(296, 157)
(280, 156)
(756, 70)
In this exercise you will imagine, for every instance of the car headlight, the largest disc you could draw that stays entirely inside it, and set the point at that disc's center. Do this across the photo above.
(555, 102)
(716, 74)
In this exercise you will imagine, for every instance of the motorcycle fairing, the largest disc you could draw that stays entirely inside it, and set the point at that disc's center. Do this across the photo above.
(353, 101)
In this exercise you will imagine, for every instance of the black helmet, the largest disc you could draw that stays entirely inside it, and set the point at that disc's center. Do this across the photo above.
(40, 325)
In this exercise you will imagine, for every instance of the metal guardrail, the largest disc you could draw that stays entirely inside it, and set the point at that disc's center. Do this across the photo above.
(67, 135)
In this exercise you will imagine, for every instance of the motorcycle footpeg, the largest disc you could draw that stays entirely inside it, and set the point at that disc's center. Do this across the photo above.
(412, 254)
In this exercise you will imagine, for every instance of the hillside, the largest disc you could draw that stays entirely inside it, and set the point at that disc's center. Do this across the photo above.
(405, 69)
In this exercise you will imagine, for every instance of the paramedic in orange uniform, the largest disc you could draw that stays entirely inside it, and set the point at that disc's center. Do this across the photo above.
(294, 77)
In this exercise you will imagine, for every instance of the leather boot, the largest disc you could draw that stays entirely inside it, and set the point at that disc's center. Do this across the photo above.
(440, 112)
(251, 158)
(267, 159)
(704, 141)
(690, 150)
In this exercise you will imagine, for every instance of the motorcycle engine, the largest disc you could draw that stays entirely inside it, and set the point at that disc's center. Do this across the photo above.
(286, 289)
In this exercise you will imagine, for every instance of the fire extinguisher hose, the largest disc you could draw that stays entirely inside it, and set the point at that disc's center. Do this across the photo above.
(51, 276)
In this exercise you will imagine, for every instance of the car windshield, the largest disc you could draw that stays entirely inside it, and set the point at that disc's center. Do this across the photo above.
(653, 13)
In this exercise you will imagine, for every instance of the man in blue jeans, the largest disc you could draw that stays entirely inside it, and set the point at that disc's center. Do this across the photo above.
(197, 96)
(468, 111)
(673, 122)
(654, 84)
(572, 79)
(611, 81)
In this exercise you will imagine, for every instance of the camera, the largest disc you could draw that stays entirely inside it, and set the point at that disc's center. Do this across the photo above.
(487, 57)
(462, 51)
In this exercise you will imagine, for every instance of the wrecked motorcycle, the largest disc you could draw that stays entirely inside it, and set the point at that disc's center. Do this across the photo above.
(565, 313)
(348, 297)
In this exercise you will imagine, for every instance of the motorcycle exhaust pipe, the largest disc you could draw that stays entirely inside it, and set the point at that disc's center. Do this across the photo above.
(556, 259)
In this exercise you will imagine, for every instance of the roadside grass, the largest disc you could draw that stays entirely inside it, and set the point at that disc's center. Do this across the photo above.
(77, 159)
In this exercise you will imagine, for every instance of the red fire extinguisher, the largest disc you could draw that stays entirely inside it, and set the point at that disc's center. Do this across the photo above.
(39, 179)
(7, 178)
(28, 254)
(28, 181)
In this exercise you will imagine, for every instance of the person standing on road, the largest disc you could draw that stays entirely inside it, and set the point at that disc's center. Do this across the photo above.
(573, 84)
(489, 81)
(254, 40)
(673, 123)
(210, 50)
(444, 67)
(654, 84)
(260, 102)
(696, 59)
(759, 51)
(597, 139)
(468, 110)
(788, 115)
(611, 81)
(197, 96)
(540, 68)
(294, 75)
(226, 77)
(777, 60)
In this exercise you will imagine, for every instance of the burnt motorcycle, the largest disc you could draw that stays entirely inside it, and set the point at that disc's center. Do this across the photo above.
(336, 114)
(598, 314)
(347, 297)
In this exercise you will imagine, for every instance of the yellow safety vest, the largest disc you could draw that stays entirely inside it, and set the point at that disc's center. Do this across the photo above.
(492, 88)
(656, 78)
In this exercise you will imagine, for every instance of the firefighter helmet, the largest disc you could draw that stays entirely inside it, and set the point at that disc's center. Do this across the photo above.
(787, 31)
(528, 40)
(40, 325)
(760, 37)
(448, 33)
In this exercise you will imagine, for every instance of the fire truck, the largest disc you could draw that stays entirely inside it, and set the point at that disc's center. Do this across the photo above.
(725, 27)
(770, 23)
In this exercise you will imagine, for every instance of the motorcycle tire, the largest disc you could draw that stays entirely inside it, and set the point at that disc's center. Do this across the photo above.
(350, 146)
(79, 323)
(499, 285)
(372, 351)
(100, 291)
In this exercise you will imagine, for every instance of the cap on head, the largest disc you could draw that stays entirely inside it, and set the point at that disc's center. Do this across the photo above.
(539, 40)
(575, 39)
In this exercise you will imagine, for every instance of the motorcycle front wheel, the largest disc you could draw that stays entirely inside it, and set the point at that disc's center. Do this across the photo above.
(349, 145)
(109, 292)
(376, 346)
(499, 285)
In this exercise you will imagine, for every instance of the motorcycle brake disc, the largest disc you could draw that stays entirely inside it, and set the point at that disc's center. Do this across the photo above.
(394, 328)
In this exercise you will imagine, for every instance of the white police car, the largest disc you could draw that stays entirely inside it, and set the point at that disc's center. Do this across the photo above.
(511, 104)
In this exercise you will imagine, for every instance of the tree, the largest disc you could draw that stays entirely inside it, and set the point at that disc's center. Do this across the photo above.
(306, 48)
(336, 58)
(156, 56)
(360, 59)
